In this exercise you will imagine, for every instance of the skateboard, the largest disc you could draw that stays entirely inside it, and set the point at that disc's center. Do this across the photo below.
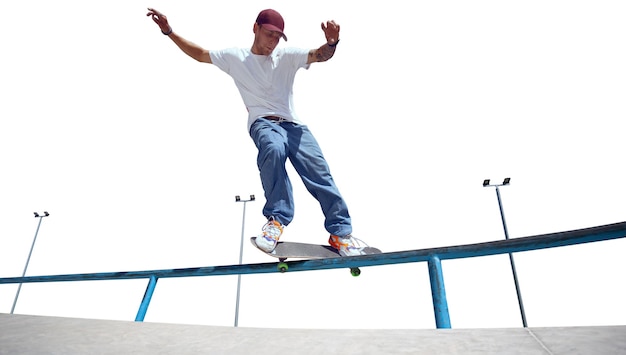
(291, 250)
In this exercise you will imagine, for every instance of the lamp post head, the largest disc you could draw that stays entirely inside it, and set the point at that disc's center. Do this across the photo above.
(238, 199)
(487, 183)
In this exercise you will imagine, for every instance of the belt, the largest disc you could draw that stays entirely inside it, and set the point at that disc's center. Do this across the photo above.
(275, 118)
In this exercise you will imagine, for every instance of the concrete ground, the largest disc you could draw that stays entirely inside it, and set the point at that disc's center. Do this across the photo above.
(23, 334)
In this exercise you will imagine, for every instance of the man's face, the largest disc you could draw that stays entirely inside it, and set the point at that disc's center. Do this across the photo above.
(264, 40)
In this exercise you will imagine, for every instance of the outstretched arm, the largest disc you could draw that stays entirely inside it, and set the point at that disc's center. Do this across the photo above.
(327, 50)
(191, 49)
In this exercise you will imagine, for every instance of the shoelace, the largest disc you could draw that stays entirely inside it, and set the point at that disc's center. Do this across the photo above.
(270, 229)
(354, 243)
(358, 243)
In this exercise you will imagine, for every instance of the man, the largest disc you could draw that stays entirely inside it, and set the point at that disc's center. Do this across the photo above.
(264, 76)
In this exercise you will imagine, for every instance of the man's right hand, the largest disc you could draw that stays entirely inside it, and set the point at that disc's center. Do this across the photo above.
(191, 49)
(160, 20)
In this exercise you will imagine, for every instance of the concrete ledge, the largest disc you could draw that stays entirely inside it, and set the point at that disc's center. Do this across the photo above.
(23, 334)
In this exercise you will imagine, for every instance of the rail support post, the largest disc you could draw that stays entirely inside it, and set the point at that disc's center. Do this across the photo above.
(143, 308)
(438, 290)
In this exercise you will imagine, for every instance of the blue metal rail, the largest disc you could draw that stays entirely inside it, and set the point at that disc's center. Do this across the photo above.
(432, 256)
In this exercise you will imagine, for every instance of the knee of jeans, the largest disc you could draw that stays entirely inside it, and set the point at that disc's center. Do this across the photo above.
(275, 149)
(271, 155)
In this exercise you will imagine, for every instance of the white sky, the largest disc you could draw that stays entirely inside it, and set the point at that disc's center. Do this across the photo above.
(137, 152)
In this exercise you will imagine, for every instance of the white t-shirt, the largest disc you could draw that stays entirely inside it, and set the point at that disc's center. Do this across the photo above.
(264, 82)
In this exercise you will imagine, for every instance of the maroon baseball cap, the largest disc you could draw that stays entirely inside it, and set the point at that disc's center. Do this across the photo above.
(271, 20)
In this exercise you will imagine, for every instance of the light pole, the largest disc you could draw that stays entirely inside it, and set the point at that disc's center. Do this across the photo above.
(19, 287)
(507, 181)
(243, 224)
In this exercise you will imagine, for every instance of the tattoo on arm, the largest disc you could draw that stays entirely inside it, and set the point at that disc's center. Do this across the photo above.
(324, 53)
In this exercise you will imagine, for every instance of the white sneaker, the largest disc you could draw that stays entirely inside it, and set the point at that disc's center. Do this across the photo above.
(272, 231)
(348, 245)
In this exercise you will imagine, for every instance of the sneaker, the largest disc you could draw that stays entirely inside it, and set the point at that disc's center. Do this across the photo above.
(348, 245)
(271, 233)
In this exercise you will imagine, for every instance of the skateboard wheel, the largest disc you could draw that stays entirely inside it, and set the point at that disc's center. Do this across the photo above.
(283, 267)
(355, 271)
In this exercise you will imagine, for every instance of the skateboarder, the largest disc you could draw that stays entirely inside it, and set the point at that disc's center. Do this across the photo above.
(264, 75)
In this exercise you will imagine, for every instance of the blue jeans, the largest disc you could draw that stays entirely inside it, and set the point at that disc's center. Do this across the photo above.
(278, 141)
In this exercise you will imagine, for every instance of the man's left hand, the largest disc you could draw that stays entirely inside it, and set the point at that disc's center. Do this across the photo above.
(331, 30)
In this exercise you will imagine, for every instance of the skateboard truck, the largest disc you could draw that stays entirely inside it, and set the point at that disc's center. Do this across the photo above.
(284, 267)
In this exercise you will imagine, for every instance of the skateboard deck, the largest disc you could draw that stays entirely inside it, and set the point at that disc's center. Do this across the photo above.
(290, 250)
